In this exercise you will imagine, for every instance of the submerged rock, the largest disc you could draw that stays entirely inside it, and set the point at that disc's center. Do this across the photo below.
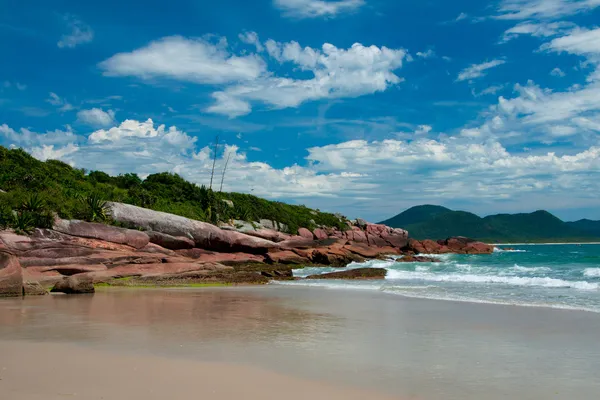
(354, 274)
(76, 284)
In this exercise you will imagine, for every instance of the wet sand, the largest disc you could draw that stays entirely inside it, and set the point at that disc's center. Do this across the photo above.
(333, 342)
(48, 371)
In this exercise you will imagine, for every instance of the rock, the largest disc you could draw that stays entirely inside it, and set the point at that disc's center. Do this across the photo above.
(104, 232)
(458, 245)
(76, 284)
(305, 233)
(354, 274)
(376, 241)
(11, 275)
(412, 258)
(205, 235)
(269, 234)
(2, 191)
(370, 252)
(170, 242)
(228, 203)
(31, 286)
(286, 257)
(298, 242)
(320, 234)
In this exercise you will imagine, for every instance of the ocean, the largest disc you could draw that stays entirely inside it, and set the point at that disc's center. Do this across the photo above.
(565, 276)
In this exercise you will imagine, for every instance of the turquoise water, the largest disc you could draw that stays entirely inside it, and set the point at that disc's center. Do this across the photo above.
(559, 276)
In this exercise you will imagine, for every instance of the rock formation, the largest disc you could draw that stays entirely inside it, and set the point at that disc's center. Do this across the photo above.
(168, 249)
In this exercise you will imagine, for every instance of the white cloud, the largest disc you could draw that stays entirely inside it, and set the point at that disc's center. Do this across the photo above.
(423, 129)
(543, 9)
(461, 16)
(192, 60)
(478, 70)
(79, 33)
(96, 117)
(558, 72)
(489, 90)
(252, 39)
(317, 8)
(537, 29)
(57, 101)
(349, 176)
(337, 73)
(29, 139)
(427, 54)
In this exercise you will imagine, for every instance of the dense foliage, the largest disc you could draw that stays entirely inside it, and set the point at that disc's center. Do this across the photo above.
(54, 186)
(434, 222)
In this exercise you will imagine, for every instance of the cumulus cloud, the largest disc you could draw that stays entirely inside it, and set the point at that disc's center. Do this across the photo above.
(558, 72)
(79, 33)
(478, 70)
(337, 73)
(475, 166)
(317, 8)
(252, 39)
(191, 60)
(245, 80)
(96, 117)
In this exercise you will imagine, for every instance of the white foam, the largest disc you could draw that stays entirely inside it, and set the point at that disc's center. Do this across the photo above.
(530, 270)
(593, 272)
(487, 279)
(499, 250)
(327, 284)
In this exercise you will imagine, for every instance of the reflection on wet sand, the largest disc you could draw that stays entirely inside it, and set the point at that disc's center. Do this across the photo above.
(154, 315)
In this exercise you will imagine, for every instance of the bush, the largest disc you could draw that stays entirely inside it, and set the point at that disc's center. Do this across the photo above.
(38, 188)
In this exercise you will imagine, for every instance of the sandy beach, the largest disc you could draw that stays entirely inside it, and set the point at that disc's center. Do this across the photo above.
(293, 343)
(32, 371)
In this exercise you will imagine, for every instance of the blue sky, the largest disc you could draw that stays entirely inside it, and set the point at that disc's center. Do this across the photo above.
(361, 106)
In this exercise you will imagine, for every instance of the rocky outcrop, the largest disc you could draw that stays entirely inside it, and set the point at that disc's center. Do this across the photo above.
(457, 245)
(354, 274)
(161, 248)
(11, 276)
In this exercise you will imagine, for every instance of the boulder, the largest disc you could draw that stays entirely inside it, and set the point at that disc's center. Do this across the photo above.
(354, 274)
(412, 259)
(320, 234)
(76, 284)
(170, 242)
(305, 233)
(361, 223)
(31, 286)
(370, 252)
(104, 232)
(205, 235)
(11, 275)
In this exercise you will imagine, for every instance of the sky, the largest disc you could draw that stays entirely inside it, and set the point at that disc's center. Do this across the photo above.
(365, 107)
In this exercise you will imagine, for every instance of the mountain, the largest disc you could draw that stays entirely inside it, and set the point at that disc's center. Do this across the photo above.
(435, 222)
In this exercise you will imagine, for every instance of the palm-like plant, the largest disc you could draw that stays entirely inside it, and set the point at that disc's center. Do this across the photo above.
(34, 204)
(96, 208)
(24, 222)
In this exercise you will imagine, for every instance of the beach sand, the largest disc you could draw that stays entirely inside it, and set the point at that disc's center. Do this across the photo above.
(48, 371)
(291, 343)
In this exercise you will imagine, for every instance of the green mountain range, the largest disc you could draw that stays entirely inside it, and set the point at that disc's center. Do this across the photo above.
(436, 222)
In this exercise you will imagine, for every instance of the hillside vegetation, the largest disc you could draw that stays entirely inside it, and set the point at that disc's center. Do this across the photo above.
(35, 189)
(435, 222)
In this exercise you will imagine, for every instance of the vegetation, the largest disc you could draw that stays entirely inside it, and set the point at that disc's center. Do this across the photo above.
(36, 189)
(434, 222)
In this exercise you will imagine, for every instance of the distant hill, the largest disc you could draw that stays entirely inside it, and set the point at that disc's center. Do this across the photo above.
(592, 227)
(435, 222)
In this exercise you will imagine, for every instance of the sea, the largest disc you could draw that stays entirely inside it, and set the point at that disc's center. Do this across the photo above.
(564, 276)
